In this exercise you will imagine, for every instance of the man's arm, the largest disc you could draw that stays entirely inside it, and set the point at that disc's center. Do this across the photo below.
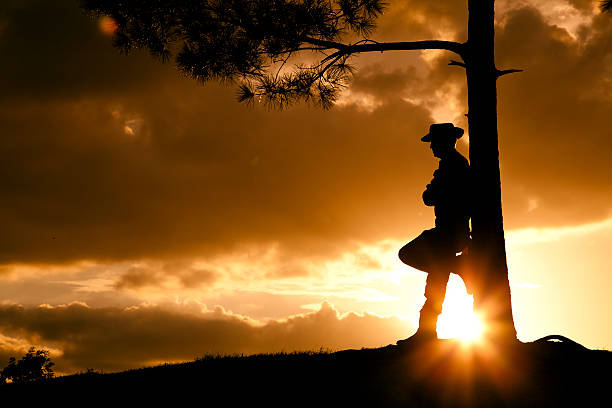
(431, 193)
(429, 196)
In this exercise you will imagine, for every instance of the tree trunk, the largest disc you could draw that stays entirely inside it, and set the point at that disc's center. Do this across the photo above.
(492, 292)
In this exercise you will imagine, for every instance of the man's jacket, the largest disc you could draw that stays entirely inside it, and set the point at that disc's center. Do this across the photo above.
(449, 193)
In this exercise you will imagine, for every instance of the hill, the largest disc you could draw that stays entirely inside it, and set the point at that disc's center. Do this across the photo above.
(443, 374)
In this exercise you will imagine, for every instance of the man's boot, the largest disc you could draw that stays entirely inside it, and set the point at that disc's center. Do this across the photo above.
(427, 331)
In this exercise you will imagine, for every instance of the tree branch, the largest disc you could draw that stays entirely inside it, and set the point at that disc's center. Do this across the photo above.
(499, 73)
(460, 64)
(346, 49)
(324, 43)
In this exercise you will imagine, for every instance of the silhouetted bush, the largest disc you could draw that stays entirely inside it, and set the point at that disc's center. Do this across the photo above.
(35, 365)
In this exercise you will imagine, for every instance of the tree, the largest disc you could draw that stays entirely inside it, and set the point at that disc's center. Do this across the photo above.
(35, 365)
(606, 5)
(251, 42)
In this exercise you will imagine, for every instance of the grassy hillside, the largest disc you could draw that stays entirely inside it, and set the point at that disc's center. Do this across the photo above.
(437, 375)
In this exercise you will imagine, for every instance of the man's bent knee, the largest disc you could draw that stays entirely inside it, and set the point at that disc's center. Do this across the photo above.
(411, 257)
(404, 255)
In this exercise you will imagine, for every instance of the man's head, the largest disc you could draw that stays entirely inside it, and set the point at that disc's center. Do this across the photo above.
(442, 138)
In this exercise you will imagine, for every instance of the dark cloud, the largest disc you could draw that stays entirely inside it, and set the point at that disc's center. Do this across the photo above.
(113, 339)
(139, 277)
(196, 278)
(555, 120)
(584, 5)
(10, 347)
(385, 86)
(410, 20)
(187, 276)
(78, 187)
(54, 50)
(111, 158)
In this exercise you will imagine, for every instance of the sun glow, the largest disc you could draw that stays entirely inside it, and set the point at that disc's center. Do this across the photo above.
(107, 25)
(458, 319)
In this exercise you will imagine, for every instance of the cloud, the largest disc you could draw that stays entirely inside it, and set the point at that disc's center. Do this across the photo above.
(113, 339)
(138, 277)
(80, 189)
(114, 158)
(530, 236)
(178, 273)
(554, 120)
(586, 5)
(424, 20)
(55, 51)
(11, 347)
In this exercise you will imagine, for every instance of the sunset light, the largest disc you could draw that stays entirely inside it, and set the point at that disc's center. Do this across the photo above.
(152, 211)
(107, 25)
(458, 319)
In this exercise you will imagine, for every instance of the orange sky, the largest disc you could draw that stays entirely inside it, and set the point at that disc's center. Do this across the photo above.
(147, 218)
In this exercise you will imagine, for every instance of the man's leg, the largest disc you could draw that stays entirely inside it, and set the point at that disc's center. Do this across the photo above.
(435, 291)
(429, 253)
(420, 253)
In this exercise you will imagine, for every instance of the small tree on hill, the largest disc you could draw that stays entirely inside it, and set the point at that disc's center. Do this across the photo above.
(35, 365)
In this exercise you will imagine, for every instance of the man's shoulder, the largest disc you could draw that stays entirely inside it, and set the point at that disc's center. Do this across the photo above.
(461, 158)
(455, 160)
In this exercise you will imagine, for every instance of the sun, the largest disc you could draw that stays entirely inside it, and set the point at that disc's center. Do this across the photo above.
(458, 319)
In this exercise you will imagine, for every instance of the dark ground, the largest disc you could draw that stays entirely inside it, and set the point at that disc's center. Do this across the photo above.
(443, 374)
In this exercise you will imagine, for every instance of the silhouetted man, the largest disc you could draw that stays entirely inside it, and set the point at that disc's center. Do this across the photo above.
(434, 251)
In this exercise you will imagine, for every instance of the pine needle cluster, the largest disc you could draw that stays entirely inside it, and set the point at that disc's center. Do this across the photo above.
(254, 43)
